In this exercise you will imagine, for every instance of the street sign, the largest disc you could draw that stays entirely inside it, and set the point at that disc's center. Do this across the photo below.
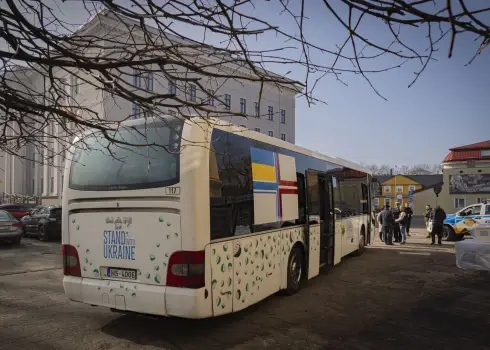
(399, 196)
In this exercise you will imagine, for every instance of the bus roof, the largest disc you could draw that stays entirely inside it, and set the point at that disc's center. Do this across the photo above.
(226, 126)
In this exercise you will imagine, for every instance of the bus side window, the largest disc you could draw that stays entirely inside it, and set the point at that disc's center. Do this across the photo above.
(300, 178)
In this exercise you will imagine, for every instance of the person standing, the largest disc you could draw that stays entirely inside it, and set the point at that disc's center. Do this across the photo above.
(387, 221)
(380, 225)
(396, 228)
(438, 216)
(428, 211)
(402, 221)
(409, 213)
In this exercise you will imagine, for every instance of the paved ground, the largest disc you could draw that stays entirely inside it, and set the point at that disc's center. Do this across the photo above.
(401, 297)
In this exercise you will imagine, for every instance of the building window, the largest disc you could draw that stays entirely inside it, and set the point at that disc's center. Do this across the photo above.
(399, 188)
(480, 200)
(283, 116)
(257, 129)
(411, 188)
(51, 184)
(135, 113)
(227, 102)
(485, 153)
(387, 189)
(210, 97)
(270, 113)
(459, 203)
(148, 81)
(388, 201)
(243, 106)
(172, 87)
(283, 137)
(270, 133)
(192, 93)
(172, 112)
(136, 78)
(257, 110)
(376, 202)
(147, 114)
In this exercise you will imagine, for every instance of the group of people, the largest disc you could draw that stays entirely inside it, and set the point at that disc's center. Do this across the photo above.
(394, 224)
(435, 216)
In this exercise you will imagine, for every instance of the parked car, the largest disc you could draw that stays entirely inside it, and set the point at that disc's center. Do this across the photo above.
(18, 211)
(459, 224)
(10, 228)
(44, 222)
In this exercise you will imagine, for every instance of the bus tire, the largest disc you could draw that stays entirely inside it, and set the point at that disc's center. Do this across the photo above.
(295, 270)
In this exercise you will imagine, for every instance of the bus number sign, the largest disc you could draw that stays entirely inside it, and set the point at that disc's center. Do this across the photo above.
(172, 191)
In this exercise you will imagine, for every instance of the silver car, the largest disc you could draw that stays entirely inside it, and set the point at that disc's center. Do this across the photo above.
(10, 228)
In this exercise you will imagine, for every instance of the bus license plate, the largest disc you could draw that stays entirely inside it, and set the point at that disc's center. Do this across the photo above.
(124, 274)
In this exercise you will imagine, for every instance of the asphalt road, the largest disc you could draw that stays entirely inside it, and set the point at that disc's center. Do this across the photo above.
(401, 297)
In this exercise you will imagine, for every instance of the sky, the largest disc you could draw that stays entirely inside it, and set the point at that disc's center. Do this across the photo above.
(447, 107)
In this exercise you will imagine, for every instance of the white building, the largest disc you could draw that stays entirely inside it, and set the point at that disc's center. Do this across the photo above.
(276, 116)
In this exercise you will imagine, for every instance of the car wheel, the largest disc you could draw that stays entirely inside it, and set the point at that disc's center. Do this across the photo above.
(295, 270)
(42, 234)
(449, 235)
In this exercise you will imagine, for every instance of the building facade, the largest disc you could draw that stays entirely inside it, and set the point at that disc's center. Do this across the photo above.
(396, 188)
(466, 172)
(273, 115)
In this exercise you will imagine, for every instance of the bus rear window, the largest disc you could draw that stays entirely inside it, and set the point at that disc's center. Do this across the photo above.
(148, 158)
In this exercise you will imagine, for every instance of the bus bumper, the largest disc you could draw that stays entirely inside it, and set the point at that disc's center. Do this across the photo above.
(140, 298)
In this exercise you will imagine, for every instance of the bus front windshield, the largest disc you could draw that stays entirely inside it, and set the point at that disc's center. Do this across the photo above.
(146, 157)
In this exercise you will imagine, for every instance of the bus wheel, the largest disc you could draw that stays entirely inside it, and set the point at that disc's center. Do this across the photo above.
(295, 270)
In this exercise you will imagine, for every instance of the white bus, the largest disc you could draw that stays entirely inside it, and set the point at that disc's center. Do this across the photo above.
(212, 220)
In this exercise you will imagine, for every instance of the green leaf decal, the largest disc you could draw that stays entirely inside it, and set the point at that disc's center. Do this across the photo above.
(218, 303)
(229, 281)
(158, 245)
(246, 287)
(238, 294)
(213, 284)
(157, 278)
(161, 219)
(214, 251)
(222, 284)
(157, 267)
(222, 267)
(133, 294)
(152, 257)
(230, 265)
(96, 271)
(218, 259)
(225, 247)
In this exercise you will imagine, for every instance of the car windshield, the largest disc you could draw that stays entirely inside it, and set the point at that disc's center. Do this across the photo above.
(5, 216)
(150, 160)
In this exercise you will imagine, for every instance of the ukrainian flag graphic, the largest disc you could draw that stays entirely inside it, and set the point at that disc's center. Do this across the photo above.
(274, 186)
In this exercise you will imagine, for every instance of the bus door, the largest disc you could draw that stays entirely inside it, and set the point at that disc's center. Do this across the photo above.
(321, 209)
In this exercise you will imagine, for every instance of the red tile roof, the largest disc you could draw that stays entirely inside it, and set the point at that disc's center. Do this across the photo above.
(463, 153)
(473, 146)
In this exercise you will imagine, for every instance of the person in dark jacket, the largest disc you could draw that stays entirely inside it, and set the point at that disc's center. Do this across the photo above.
(396, 228)
(408, 213)
(428, 211)
(388, 222)
(438, 216)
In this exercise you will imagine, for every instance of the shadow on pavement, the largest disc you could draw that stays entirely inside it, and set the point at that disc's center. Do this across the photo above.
(383, 300)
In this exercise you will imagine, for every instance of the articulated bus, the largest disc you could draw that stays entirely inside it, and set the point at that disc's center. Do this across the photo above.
(205, 219)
